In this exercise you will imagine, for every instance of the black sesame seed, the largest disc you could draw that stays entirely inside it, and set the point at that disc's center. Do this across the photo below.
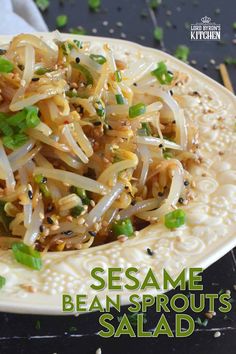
(92, 233)
(30, 195)
(174, 122)
(160, 194)
(133, 202)
(171, 92)
(35, 79)
(67, 233)
(186, 183)
(170, 72)
(135, 84)
(44, 180)
(161, 145)
(181, 200)
(97, 124)
(49, 220)
(21, 67)
(77, 60)
(41, 228)
(149, 252)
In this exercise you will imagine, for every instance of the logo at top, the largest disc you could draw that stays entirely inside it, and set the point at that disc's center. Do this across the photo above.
(206, 30)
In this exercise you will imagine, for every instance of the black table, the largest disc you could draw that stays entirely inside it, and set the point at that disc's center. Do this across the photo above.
(131, 19)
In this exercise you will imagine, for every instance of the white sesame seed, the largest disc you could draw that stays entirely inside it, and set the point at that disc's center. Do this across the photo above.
(119, 24)
(99, 351)
(94, 30)
(105, 23)
(217, 334)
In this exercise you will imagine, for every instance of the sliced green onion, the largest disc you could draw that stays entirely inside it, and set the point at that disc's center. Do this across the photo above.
(230, 61)
(234, 25)
(42, 4)
(14, 141)
(4, 218)
(78, 44)
(94, 4)
(182, 52)
(81, 193)
(162, 74)
(5, 66)
(123, 227)
(118, 77)
(76, 211)
(84, 71)
(153, 4)
(158, 34)
(4, 126)
(2, 282)
(61, 20)
(120, 99)
(27, 256)
(100, 59)
(100, 108)
(42, 71)
(32, 119)
(137, 110)
(78, 30)
(175, 219)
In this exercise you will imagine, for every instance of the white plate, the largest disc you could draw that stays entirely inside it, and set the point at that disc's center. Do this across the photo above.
(209, 237)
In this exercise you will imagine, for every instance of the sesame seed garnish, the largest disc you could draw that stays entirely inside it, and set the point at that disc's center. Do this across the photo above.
(217, 334)
(186, 183)
(149, 252)
(35, 79)
(92, 233)
(67, 233)
(30, 194)
(50, 221)
(119, 24)
(77, 59)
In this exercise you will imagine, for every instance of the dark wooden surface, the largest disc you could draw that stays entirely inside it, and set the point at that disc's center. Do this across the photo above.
(47, 335)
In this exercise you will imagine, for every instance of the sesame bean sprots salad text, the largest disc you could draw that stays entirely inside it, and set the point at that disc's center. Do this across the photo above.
(143, 295)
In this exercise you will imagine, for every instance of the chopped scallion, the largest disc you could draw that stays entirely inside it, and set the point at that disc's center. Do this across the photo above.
(83, 71)
(175, 219)
(27, 256)
(15, 141)
(76, 211)
(120, 99)
(100, 59)
(61, 20)
(182, 52)
(5, 66)
(94, 5)
(162, 74)
(158, 34)
(118, 77)
(81, 193)
(42, 4)
(137, 110)
(123, 227)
